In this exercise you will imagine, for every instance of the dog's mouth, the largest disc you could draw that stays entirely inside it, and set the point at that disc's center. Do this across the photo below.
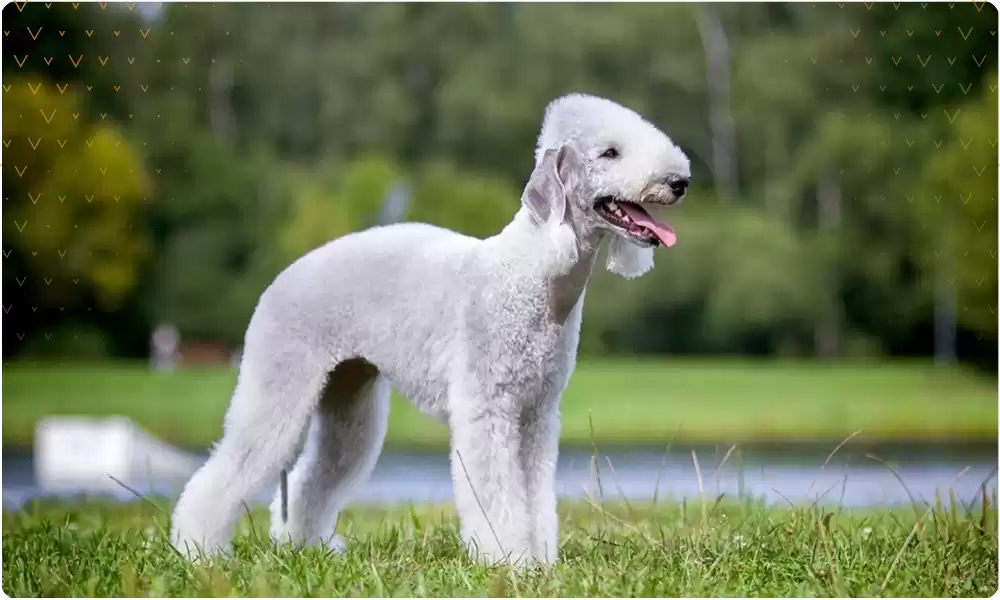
(633, 221)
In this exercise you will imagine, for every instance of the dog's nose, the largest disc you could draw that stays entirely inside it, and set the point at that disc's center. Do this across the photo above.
(678, 184)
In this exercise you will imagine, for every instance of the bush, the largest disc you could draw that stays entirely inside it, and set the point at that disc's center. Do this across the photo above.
(737, 282)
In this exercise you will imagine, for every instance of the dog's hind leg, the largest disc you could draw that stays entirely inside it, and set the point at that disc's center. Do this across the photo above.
(343, 444)
(269, 410)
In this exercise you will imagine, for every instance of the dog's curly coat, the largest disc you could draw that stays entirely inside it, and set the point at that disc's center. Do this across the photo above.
(481, 334)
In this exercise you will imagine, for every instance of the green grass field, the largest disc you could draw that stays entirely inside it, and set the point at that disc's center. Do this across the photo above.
(699, 549)
(627, 401)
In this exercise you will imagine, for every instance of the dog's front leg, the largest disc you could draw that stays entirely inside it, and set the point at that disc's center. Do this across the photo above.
(539, 453)
(489, 481)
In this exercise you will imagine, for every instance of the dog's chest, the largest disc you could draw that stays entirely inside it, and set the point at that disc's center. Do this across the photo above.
(521, 351)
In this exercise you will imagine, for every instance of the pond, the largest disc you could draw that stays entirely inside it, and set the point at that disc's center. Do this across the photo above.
(857, 475)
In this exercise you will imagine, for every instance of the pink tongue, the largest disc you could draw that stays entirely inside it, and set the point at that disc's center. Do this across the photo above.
(640, 217)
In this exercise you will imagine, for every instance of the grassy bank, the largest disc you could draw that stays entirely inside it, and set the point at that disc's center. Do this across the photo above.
(628, 401)
(725, 549)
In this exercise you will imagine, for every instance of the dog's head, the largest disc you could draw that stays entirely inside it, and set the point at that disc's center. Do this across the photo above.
(631, 167)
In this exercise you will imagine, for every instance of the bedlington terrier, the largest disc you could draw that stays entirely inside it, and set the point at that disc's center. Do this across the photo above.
(481, 334)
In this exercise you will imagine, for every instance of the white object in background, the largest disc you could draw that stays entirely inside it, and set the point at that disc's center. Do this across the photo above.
(82, 454)
(164, 344)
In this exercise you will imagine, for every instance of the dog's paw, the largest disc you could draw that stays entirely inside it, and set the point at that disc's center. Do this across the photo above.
(492, 555)
(333, 542)
(336, 544)
(200, 553)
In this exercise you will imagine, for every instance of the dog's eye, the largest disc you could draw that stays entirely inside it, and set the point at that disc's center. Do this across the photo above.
(610, 153)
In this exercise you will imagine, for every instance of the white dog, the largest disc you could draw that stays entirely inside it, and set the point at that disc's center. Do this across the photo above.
(481, 334)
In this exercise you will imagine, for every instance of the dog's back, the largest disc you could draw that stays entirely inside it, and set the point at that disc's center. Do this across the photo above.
(378, 293)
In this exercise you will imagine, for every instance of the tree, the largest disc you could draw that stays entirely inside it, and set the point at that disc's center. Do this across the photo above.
(74, 194)
(473, 204)
(758, 293)
(956, 220)
(213, 227)
(325, 208)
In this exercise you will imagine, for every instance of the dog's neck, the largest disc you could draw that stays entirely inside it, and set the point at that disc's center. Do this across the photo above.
(566, 271)
(566, 291)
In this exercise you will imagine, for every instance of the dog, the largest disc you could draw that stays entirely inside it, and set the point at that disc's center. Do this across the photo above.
(481, 334)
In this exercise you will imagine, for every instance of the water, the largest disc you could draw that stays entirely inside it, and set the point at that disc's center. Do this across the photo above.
(777, 474)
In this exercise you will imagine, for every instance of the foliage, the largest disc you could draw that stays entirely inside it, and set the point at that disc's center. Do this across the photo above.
(255, 135)
(725, 288)
(210, 264)
(473, 204)
(957, 213)
(76, 193)
(325, 208)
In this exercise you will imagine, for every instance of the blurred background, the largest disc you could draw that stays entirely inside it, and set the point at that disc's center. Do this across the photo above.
(835, 276)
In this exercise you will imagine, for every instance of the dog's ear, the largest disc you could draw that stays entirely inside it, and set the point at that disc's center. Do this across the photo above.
(560, 173)
(571, 169)
(544, 193)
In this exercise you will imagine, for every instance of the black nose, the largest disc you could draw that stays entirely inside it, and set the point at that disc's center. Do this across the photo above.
(678, 184)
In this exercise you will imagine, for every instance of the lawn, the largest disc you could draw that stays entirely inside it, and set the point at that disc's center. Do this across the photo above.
(608, 401)
(729, 548)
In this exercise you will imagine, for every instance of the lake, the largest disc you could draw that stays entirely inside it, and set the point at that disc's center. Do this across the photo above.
(857, 475)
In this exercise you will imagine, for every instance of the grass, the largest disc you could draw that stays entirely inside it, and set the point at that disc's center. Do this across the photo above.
(728, 548)
(629, 400)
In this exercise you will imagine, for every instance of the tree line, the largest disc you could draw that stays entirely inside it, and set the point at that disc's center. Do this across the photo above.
(163, 164)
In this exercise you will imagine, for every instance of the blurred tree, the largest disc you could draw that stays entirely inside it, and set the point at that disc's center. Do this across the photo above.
(271, 131)
(924, 57)
(725, 298)
(476, 205)
(325, 210)
(214, 223)
(52, 278)
(956, 216)
(73, 198)
(865, 233)
(61, 43)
